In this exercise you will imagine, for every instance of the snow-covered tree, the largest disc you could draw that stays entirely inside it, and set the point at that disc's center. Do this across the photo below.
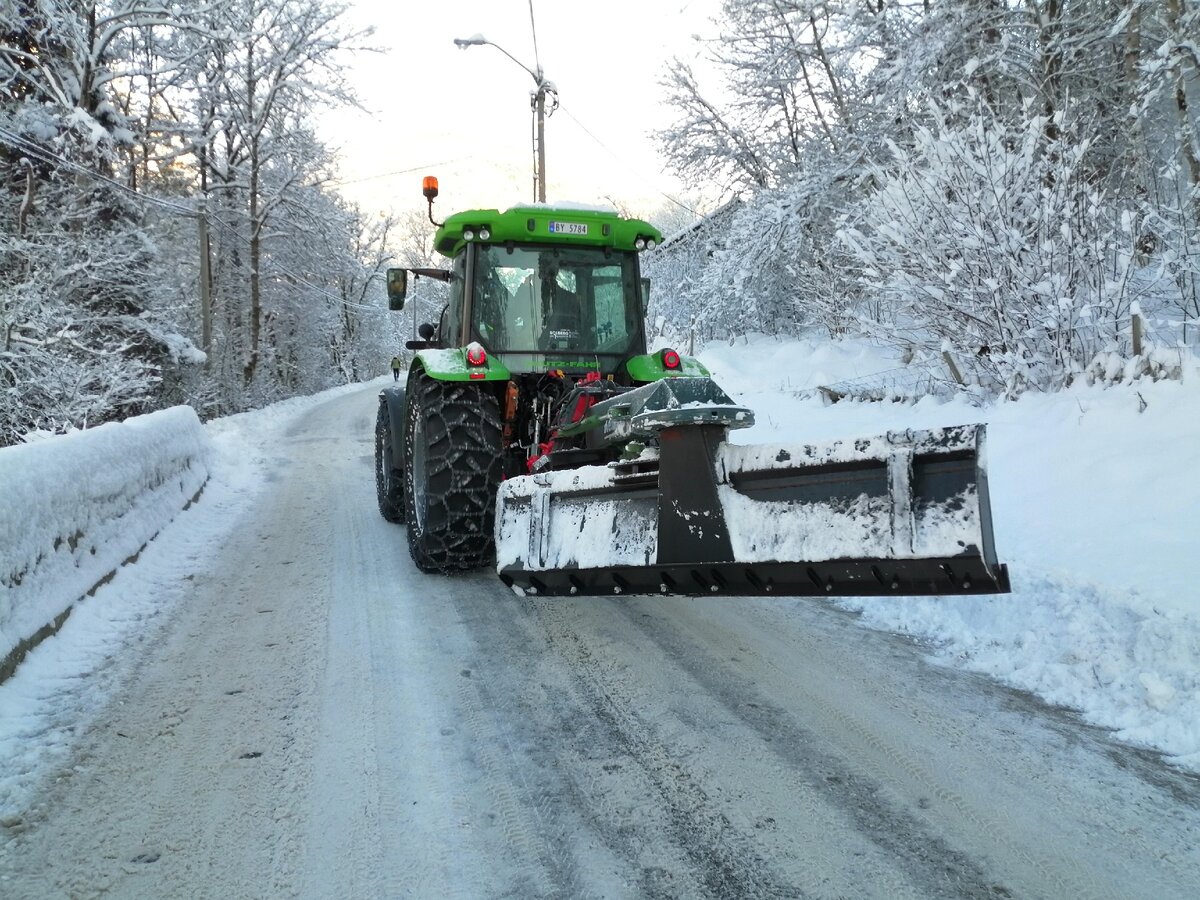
(80, 344)
(123, 125)
(980, 240)
(1005, 175)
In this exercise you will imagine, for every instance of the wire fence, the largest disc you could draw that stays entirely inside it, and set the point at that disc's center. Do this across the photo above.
(901, 384)
(1153, 347)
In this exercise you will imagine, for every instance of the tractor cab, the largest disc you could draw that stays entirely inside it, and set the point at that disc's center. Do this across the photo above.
(543, 289)
(538, 304)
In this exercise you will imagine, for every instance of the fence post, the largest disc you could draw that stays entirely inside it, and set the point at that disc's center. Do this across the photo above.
(952, 367)
(1137, 332)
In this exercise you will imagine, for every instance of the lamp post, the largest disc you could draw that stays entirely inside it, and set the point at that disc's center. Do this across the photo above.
(537, 104)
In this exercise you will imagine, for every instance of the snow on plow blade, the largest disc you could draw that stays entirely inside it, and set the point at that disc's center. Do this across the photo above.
(904, 513)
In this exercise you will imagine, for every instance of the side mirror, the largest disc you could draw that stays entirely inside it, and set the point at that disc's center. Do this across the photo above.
(645, 295)
(397, 288)
(425, 331)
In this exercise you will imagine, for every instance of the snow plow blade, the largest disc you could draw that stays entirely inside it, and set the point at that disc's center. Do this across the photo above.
(905, 513)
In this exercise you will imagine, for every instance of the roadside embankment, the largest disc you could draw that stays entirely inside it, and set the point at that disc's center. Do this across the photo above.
(75, 507)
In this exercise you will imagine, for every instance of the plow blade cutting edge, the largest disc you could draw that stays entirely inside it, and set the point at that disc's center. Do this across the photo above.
(904, 513)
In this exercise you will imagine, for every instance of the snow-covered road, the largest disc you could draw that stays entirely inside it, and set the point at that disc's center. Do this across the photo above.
(317, 719)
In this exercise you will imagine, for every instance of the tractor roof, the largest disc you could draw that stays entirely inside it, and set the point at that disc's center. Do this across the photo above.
(543, 225)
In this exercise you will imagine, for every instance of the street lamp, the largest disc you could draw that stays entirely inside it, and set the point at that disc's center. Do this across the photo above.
(537, 103)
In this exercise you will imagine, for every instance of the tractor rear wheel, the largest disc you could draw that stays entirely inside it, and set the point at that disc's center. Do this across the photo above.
(389, 488)
(452, 452)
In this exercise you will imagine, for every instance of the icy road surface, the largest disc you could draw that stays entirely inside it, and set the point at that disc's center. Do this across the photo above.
(317, 719)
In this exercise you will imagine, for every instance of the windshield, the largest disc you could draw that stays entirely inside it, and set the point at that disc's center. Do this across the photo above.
(538, 299)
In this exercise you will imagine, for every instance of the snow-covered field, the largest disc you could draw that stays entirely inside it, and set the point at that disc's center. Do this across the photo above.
(1095, 500)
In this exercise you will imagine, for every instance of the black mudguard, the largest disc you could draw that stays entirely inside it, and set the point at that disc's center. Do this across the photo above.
(394, 397)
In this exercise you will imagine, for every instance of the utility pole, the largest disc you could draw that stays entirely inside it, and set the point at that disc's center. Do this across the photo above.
(539, 173)
(538, 105)
(205, 285)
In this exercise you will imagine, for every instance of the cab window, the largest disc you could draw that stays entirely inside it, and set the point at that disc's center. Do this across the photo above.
(548, 299)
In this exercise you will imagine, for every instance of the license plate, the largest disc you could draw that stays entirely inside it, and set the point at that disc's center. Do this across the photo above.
(568, 228)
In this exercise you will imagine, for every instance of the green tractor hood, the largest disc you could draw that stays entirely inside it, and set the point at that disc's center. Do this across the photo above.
(544, 224)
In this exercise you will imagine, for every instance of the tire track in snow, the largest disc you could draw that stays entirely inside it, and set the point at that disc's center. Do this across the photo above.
(615, 773)
(518, 702)
(708, 773)
(343, 851)
(553, 745)
(192, 779)
(794, 757)
(943, 753)
(391, 721)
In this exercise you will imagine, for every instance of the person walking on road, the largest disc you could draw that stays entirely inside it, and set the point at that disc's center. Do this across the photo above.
(396, 366)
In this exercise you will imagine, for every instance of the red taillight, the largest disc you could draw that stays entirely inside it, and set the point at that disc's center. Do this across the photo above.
(476, 356)
(670, 359)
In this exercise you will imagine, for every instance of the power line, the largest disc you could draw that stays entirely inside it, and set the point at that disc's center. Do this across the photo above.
(332, 296)
(445, 162)
(623, 162)
(533, 29)
(49, 157)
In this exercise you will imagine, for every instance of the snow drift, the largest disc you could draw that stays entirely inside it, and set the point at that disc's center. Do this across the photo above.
(76, 506)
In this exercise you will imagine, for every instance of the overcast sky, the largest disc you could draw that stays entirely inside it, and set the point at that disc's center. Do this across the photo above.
(464, 115)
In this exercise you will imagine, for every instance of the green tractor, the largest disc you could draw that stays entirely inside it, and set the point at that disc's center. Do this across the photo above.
(535, 432)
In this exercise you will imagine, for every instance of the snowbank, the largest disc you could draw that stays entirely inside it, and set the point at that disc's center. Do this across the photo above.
(58, 689)
(76, 506)
(1096, 506)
